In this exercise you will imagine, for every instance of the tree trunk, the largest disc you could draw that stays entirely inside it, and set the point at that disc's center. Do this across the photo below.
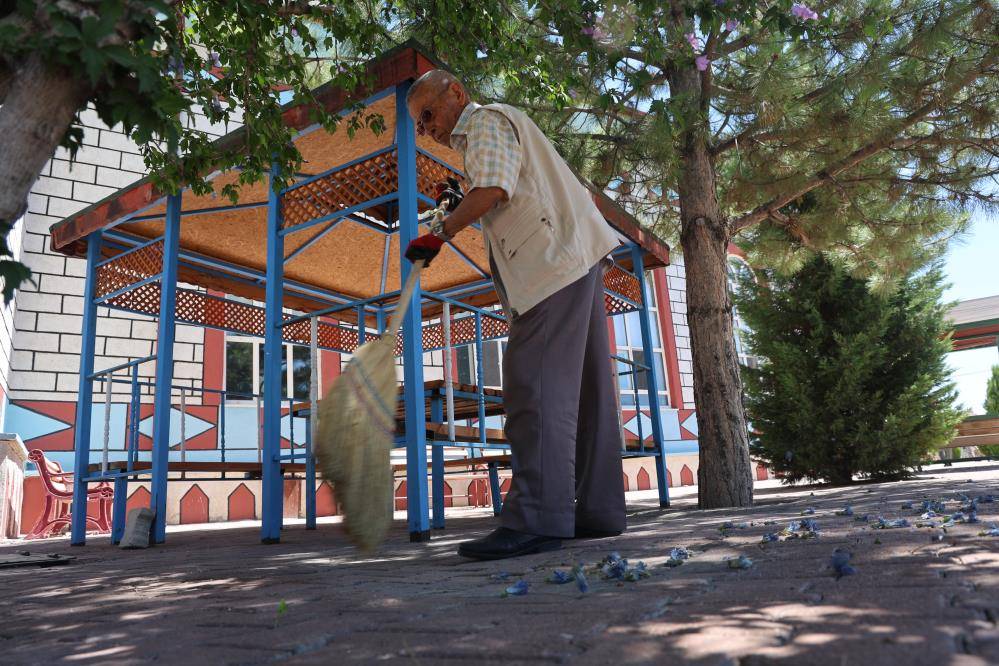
(39, 106)
(724, 475)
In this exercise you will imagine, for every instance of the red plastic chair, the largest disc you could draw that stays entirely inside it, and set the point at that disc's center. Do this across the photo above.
(58, 486)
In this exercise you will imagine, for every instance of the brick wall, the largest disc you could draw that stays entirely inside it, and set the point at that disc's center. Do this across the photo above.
(677, 284)
(44, 355)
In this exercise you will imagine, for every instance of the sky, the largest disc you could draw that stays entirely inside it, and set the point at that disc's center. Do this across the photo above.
(972, 268)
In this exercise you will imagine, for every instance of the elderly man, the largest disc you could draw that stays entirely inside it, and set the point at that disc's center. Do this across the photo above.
(546, 240)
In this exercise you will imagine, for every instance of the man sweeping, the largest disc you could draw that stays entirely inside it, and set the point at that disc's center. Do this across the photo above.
(546, 240)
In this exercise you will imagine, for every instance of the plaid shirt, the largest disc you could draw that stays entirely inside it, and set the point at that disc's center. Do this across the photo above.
(489, 145)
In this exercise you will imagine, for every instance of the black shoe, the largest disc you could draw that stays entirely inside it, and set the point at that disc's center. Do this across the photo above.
(504, 542)
(587, 533)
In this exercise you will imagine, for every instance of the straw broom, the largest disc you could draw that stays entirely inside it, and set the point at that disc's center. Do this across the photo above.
(356, 430)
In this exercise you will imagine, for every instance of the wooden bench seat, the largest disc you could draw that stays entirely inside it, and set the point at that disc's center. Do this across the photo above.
(975, 431)
(251, 469)
(464, 407)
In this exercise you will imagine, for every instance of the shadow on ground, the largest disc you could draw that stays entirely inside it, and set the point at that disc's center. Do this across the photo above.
(219, 596)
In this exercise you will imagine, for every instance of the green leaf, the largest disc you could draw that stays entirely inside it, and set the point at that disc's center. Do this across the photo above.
(13, 273)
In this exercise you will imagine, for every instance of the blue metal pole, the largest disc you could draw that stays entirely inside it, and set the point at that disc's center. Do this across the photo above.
(437, 464)
(273, 495)
(655, 411)
(164, 367)
(418, 510)
(84, 404)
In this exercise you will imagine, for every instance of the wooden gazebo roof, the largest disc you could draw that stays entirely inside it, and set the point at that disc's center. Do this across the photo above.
(354, 258)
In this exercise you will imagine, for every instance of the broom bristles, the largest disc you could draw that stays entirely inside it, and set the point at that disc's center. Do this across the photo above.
(355, 433)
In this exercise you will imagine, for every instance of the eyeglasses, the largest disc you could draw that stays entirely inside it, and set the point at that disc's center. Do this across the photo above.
(425, 117)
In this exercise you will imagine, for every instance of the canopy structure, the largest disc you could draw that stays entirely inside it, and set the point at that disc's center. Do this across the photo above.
(328, 245)
(975, 323)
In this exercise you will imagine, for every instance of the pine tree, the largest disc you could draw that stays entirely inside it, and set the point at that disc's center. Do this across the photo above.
(992, 409)
(855, 127)
(852, 381)
(992, 393)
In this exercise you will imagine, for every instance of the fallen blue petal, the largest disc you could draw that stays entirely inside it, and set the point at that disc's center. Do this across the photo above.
(770, 536)
(560, 577)
(518, 589)
(741, 562)
(810, 511)
(993, 530)
(580, 577)
(846, 511)
(840, 563)
(885, 524)
(679, 553)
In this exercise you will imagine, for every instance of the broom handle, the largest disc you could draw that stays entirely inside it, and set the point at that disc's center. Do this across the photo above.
(407, 293)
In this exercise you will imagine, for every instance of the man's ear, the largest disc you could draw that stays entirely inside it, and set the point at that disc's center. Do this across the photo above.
(458, 92)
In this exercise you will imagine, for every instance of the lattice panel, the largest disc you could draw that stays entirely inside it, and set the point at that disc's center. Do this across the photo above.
(462, 333)
(203, 310)
(353, 185)
(429, 173)
(129, 269)
(619, 281)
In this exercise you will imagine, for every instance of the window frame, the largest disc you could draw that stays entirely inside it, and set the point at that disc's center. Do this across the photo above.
(257, 354)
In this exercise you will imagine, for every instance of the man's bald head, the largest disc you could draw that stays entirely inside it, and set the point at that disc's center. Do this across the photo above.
(435, 101)
(435, 82)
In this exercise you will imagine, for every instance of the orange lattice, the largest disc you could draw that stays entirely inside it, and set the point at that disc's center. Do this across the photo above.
(429, 173)
(350, 186)
(621, 282)
(375, 177)
(129, 269)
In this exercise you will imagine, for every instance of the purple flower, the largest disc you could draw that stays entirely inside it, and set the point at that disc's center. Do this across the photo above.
(518, 589)
(294, 32)
(701, 62)
(803, 12)
(588, 30)
(694, 42)
(214, 58)
(731, 25)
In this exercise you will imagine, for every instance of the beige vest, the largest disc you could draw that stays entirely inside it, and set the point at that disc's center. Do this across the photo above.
(550, 233)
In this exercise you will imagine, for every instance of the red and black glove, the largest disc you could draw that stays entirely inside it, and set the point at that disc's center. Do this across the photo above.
(425, 247)
(450, 193)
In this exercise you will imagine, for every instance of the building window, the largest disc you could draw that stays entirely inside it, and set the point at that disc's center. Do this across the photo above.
(492, 363)
(628, 337)
(244, 369)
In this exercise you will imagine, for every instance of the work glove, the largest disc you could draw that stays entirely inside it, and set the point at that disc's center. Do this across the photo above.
(426, 247)
(450, 193)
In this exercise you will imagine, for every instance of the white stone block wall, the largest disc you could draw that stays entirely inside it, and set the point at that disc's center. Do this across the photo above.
(677, 284)
(44, 353)
(15, 242)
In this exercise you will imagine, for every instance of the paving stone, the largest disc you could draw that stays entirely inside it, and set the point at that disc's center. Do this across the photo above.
(219, 596)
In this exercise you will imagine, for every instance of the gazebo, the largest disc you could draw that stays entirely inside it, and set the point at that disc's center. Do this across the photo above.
(324, 255)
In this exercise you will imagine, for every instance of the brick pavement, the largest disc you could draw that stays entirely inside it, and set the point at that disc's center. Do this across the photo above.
(218, 596)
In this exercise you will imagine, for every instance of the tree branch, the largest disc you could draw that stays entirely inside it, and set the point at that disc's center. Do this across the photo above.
(884, 142)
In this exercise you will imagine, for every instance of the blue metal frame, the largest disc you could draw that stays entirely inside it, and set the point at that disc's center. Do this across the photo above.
(412, 352)
(81, 436)
(272, 492)
(645, 321)
(164, 367)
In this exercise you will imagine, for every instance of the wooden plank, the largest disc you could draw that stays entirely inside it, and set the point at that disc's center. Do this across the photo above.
(27, 559)
(206, 466)
(465, 433)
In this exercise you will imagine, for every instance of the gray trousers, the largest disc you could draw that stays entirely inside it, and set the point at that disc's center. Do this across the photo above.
(562, 422)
